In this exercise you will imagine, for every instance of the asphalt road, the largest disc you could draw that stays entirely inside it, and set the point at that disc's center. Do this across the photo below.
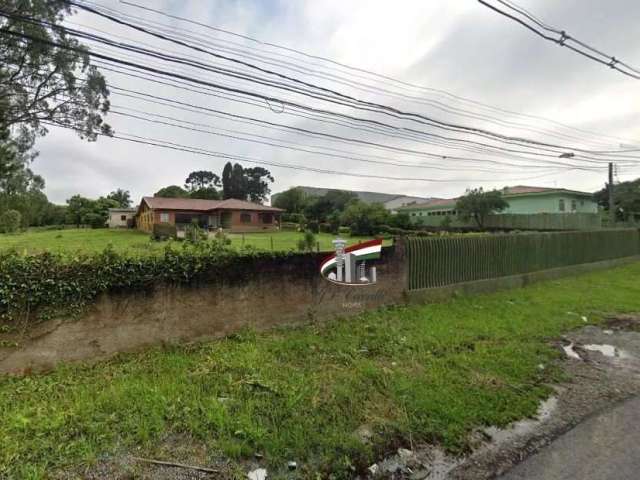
(604, 447)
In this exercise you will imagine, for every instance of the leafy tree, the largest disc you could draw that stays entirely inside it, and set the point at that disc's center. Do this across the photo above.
(122, 197)
(77, 207)
(258, 179)
(365, 218)
(227, 187)
(320, 208)
(476, 204)
(293, 200)
(234, 182)
(10, 221)
(401, 220)
(201, 179)
(208, 193)
(626, 197)
(172, 191)
(41, 82)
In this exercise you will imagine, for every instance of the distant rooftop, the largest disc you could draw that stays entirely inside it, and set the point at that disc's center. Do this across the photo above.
(202, 205)
(365, 196)
(506, 192)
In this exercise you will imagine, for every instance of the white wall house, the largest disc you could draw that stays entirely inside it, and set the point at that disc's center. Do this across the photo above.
(121, 217)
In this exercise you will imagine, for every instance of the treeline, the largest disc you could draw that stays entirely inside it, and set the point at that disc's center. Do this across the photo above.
(335, 209)
(235, 181)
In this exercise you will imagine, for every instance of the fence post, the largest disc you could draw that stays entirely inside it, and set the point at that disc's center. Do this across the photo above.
(271, 243)
(243, 239)
(318, 246)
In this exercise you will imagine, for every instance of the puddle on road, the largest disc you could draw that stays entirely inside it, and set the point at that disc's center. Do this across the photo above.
(607, 350)
(523, 427)
(571, 353)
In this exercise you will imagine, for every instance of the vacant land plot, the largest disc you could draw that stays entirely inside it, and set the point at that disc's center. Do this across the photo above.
(139, 243)
(427, 373)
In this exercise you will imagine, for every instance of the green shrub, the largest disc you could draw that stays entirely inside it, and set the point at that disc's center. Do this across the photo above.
(344, 231)
(293, 217)
(37, 287)
(95, 220)
(308, 242)
(163, 231)
(10, 221)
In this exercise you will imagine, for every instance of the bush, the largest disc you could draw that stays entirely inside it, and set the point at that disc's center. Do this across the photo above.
(38, 287)
(344, 231)
(365, 219)
(293, 217)
(308, 242)
(313, 226)
(10, 221)
(163, 231)
(95, 220)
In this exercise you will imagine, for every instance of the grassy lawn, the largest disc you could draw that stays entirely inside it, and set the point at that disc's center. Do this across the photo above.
(421, 373)
(139, 243)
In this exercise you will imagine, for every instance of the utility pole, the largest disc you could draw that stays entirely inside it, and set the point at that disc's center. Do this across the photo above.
(612, 208)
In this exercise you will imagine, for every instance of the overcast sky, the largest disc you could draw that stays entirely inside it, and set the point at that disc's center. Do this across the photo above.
(457, 46)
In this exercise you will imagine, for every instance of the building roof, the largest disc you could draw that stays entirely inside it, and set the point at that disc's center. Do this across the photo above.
(365, 196)
(518, 190)
(436, 202)
(202, 205)
(526, 190)
(125, 210)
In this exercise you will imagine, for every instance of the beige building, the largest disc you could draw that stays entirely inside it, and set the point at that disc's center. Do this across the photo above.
(121, 218)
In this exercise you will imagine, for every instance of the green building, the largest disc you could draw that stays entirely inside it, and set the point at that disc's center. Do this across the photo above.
(522, 200)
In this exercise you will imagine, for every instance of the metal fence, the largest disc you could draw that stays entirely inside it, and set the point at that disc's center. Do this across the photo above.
(436, 262)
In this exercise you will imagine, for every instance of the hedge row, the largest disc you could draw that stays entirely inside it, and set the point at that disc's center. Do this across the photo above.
(37, 287)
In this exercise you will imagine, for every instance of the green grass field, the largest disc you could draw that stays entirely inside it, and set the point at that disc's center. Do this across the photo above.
(429, 373)
(139, 243)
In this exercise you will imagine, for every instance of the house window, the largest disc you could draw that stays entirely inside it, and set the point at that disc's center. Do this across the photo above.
(574, 205)
(561, 205)
(164, 218)
(245, 217)
(267, 218)
(123, 218)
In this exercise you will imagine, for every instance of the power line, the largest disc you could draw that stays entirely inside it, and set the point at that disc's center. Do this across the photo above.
(349, 99)
(200, 151)
(564, 39)
(253, 94)
(447, 108)
(384, 79)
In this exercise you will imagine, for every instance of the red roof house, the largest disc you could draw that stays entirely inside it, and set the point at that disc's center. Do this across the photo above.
(231, 214)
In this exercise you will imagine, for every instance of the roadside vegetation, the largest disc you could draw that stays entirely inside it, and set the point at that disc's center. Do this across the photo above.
(428, 373)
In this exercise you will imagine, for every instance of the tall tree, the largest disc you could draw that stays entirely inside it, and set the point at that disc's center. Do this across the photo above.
(122, 197)
(77, 207)
(201, 179)
(172, 191)
(293, 200)
(476, 204)
(45, 76)
(626, 197)
(238, 182)
(258, 180)
(202, 184)
(227, 188)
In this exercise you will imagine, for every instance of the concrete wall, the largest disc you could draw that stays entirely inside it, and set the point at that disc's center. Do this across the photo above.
(115, 219)
(271, 293)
